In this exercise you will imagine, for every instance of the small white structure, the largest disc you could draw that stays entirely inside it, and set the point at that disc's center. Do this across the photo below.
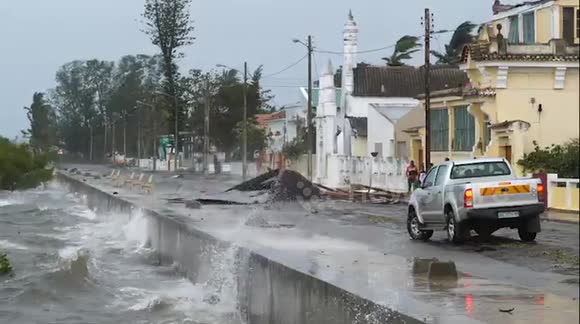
(347, 135)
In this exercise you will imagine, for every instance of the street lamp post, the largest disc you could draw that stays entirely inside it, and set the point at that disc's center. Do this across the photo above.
(176, 140)
(309, 133)
(154, 134)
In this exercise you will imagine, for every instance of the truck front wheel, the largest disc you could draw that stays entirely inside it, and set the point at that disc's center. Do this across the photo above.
(529, 229)
(414, 227)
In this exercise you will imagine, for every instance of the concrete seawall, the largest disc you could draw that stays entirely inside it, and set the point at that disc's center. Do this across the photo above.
(267, 292)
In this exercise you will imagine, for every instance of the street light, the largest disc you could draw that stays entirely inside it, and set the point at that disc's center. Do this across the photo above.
(309, 134)
(244, 120)
(176, 125)
(154, 134)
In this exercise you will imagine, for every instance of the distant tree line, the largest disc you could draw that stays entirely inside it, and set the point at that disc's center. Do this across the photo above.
(100, 107)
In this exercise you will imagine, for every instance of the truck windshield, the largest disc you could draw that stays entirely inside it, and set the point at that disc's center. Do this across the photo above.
(478, 170)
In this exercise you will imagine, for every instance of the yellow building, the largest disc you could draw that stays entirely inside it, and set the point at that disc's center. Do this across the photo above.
(523, 89)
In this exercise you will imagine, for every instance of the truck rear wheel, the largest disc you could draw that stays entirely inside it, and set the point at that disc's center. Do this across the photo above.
(484, 231)
(455, 230)
(526, 236)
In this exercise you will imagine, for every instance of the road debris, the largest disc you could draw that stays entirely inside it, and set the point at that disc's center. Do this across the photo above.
(509, 311)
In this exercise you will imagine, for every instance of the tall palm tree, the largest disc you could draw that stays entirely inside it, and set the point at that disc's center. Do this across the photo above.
(405, 46)
(461, 36)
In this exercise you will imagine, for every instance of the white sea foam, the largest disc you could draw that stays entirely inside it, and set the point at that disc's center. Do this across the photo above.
(8, 202)
(11, 246)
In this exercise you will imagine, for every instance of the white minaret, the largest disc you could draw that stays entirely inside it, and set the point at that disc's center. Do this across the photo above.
(326, 119)
(350, 38)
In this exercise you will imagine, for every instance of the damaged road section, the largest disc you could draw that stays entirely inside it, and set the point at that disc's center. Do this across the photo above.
(281, 185)
(271, 187)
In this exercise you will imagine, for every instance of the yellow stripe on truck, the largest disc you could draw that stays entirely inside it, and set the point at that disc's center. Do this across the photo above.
(506, 190)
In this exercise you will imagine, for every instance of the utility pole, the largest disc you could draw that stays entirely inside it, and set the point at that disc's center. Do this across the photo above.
(105, 139)
(309, 134)
(125, 134)
(176, 141)
(427, 23)
(206, 128)
(138, 135)
(245, 126)
(91, 142)
(113, 121)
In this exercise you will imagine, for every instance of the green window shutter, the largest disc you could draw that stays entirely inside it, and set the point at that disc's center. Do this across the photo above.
(439, 130)
(514, 33)
(464, 133)
(529, 28)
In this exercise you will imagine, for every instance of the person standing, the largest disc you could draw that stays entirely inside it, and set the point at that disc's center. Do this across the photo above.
(422, 174)
(412, 175)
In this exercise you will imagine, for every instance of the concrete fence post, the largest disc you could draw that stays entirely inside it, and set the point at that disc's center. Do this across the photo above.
(551, 179)
(569, 194)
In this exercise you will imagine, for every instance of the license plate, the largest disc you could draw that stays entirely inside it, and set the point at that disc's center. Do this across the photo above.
(508, 214)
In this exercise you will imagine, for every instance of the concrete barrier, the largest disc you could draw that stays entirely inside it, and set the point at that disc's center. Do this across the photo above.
(267, 292)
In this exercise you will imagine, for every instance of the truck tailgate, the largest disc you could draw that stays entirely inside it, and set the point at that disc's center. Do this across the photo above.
(505, 193)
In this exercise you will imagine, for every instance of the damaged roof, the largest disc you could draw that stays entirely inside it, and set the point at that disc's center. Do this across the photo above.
(405, 81)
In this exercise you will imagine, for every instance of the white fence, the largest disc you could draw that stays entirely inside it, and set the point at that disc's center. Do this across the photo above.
(563, 193)
(387, 173)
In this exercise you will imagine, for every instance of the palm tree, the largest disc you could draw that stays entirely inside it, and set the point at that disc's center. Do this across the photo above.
(461, 36)
(405, 46)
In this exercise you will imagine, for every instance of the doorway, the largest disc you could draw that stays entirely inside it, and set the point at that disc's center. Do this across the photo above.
(506, 152)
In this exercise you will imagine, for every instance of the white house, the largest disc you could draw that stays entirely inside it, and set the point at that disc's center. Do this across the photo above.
(359, 118)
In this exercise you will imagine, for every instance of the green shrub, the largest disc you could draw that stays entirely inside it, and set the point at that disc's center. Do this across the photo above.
(561, 159)
(294, 149)
(21, 168)
(5, 267)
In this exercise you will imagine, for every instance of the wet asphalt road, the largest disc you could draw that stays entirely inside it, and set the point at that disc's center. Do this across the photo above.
(501, 271)
(556, 248)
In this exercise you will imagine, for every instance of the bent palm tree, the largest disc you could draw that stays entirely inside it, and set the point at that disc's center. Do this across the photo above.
(461, 36)
(405, 46)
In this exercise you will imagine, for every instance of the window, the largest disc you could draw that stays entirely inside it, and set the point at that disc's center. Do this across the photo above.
(402, 150)
(441, 175)
(514, 32)
(577, 23)
(379, 149)
(477, 170)
(487, 134)
(568, 25)
(439, 130)
(529, 28)
(464, 135)
(430, 178)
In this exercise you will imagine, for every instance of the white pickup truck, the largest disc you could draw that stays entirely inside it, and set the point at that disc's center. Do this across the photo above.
(482, 195)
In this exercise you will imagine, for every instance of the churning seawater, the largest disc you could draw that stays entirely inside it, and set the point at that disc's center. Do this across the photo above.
(72, 265)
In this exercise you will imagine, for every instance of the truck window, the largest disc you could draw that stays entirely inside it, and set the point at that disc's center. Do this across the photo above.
(441, 175)
(478, 170)
(430, 178)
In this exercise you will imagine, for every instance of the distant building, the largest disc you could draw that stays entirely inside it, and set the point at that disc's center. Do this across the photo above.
(523, 88)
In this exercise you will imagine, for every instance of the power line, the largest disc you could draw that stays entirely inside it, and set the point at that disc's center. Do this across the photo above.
(284, 86)
(358, 52)
(286, 68)
(442, 31)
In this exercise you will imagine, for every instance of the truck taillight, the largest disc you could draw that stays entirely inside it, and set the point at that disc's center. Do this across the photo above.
(540, 189)
(468, 198)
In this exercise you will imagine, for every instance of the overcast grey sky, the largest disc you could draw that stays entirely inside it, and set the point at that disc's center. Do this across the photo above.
(38, 36)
